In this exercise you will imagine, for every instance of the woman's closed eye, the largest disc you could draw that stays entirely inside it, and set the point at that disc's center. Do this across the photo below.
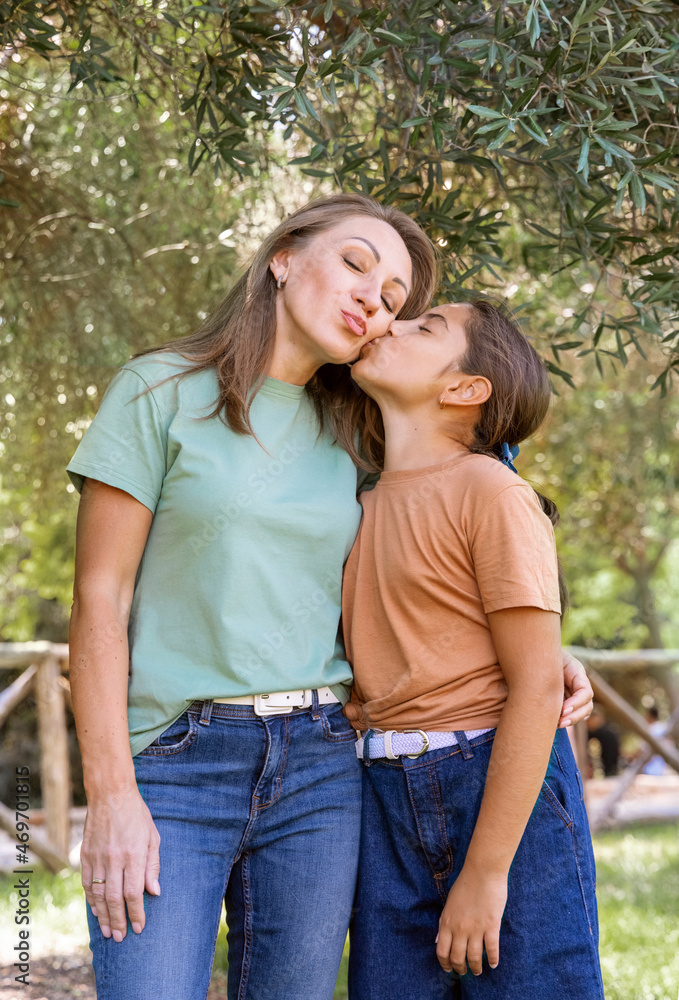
(425, 328)
(355, 267)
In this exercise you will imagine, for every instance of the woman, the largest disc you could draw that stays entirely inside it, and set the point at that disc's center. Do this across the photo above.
(218, 507)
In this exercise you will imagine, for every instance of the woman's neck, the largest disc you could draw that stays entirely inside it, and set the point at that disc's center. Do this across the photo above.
(414, 440)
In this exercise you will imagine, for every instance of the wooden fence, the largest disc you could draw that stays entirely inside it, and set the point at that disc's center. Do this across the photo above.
(46, 663)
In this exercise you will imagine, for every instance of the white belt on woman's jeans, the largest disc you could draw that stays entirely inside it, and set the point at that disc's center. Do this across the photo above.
(409, 743)
(281, 702)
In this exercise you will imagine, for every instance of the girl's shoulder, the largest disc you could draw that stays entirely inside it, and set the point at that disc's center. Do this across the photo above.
(487, 473)
(488, 481)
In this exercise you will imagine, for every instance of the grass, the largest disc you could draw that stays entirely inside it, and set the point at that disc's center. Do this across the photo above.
(638, 889)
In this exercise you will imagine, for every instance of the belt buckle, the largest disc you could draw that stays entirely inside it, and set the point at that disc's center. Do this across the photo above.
(262, 707)
(273, 704)
(425, 743)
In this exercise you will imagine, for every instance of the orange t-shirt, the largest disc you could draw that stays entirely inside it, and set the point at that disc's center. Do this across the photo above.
(439, 548)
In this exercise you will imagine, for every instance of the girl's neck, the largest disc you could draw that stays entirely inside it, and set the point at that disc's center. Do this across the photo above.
(415, 440)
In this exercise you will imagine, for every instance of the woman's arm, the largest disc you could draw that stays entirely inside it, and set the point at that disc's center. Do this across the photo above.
(120, 842)
(528, 646)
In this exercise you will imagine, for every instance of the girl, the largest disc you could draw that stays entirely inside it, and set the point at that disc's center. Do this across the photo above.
(475, 846)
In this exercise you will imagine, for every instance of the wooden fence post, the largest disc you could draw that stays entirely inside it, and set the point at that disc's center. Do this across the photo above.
(54, 763)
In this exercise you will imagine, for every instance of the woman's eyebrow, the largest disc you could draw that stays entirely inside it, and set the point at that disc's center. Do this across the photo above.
(377, 257)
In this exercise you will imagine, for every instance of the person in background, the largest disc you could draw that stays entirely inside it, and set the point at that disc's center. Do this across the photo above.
(656, 764)
(609, 742)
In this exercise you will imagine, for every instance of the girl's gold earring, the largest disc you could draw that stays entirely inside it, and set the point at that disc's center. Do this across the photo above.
(441, 404)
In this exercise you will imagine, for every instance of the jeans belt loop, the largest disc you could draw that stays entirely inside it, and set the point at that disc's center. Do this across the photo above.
(463, 742)
(206, 713)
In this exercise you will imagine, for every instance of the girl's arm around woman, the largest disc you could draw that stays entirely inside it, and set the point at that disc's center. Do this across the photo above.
(528, 645)
(120, 842)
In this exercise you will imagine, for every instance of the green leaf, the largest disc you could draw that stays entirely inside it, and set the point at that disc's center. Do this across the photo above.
(496, 143)
(637, 193)
(305, 105)
(533, 25)
(482, 112)
(534, 131)
(390, 36)
(660, 180)
(490, 127)
(611, 148)
(583, 162)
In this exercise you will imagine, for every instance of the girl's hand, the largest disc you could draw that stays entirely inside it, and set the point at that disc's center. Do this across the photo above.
(579, 697)
(470, 918)
(120, 845)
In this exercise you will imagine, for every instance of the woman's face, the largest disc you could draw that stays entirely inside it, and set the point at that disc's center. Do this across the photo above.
(341, 290)
(410, 362)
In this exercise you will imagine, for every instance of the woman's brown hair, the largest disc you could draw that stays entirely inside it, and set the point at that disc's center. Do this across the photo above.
(237, 338)
(498, 350)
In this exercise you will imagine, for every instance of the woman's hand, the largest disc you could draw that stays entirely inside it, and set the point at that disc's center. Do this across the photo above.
(470, 919)
(579, 697)
(120, 845)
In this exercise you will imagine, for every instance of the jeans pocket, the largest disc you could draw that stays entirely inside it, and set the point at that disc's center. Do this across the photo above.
(336, 726)
(554, 793)
(178, 736)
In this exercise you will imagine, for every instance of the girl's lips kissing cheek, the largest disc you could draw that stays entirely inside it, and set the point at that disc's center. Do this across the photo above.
(355, 323)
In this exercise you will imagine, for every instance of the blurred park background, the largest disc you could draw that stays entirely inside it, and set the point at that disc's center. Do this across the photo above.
(146, 147)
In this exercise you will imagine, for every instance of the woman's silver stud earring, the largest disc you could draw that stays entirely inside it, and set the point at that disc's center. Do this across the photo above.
(280, 281)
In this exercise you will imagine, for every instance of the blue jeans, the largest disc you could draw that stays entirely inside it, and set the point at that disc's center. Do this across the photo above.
(418, 819)
(263, 813)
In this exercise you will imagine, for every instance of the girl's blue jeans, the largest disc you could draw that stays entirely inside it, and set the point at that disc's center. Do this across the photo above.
(418, 819)
(265, 814)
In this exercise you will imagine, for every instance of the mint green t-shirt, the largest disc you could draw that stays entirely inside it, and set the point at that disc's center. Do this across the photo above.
(238, 588)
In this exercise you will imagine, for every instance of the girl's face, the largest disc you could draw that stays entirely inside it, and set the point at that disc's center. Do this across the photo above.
(412, 362)
(342, 290)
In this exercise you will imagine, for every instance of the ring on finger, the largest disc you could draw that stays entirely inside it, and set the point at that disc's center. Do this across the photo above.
(98, 881)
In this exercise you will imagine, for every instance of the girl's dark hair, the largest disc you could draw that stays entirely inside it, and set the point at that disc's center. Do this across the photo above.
(238, 336)
(498, 350)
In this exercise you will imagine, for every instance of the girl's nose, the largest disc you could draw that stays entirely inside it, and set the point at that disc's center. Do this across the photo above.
(397, 327)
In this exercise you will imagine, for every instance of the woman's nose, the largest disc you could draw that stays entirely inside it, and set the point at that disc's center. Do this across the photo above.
(369, 298)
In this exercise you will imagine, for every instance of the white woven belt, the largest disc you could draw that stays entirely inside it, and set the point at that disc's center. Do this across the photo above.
(281, 702)
(409, 743)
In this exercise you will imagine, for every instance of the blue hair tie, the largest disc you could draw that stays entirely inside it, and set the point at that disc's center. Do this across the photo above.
(507, 456)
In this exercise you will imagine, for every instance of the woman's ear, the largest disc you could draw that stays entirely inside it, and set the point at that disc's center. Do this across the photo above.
(280, 264)
(467, 390)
